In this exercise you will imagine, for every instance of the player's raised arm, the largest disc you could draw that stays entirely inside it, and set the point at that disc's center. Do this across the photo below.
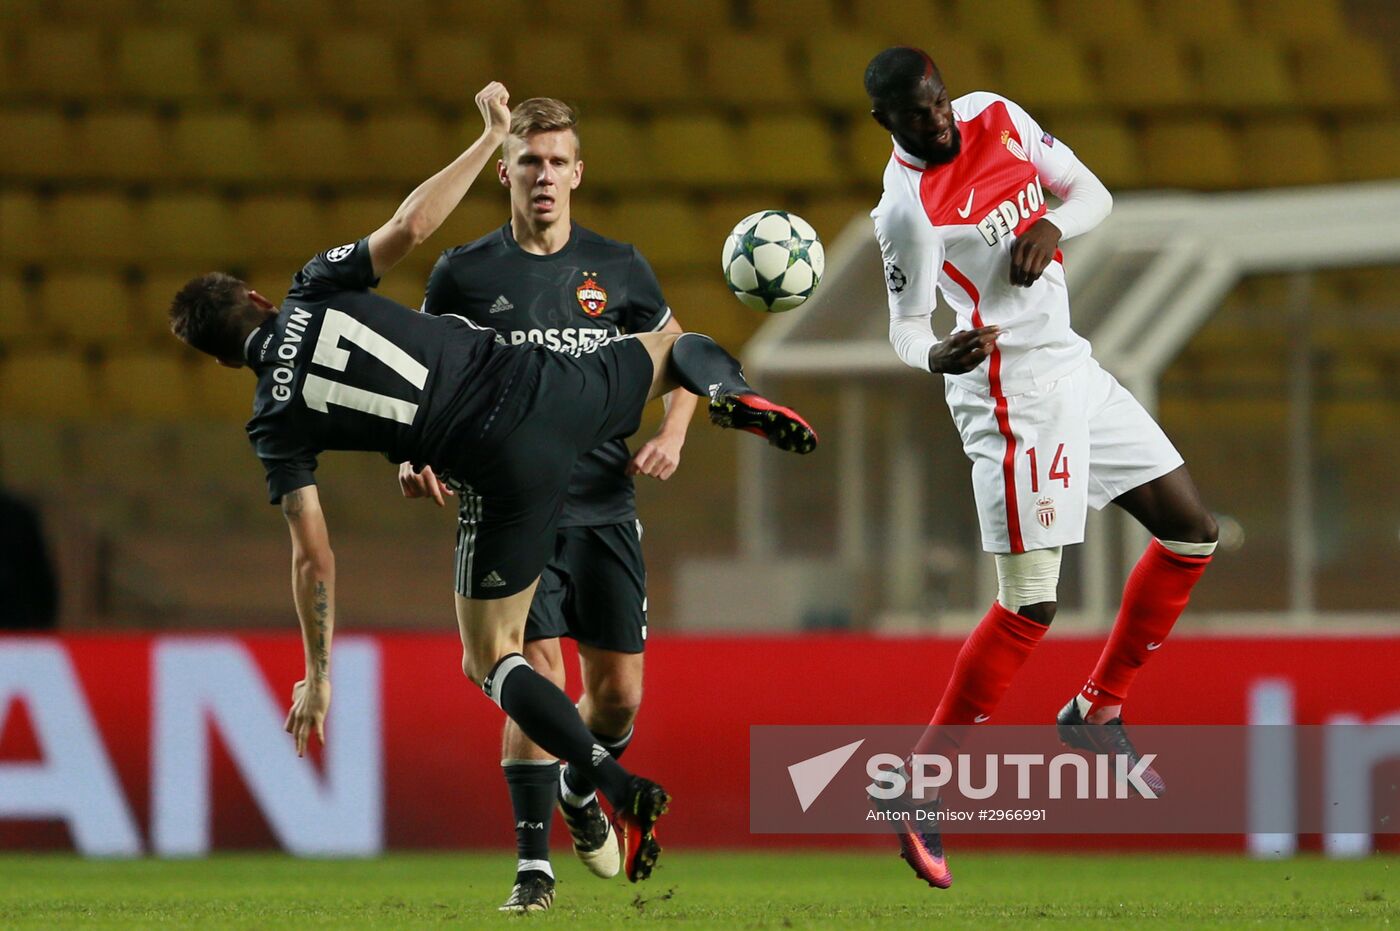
(424, 210)
(313, 590)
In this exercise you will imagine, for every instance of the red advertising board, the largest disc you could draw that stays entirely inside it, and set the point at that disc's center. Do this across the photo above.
(135, 744)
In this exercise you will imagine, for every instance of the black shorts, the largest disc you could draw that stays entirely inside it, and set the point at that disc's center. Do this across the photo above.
(594, 589)
(511, 487)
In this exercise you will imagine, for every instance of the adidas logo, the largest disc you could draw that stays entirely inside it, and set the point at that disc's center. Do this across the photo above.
(501, 306)
(599, 754)
(493, 580)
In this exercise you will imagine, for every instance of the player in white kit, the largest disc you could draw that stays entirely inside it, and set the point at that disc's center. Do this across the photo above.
(1048, 431)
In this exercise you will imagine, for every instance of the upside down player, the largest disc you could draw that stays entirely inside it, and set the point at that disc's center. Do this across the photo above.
(1048, 431)
(339, 367)
(540, 278)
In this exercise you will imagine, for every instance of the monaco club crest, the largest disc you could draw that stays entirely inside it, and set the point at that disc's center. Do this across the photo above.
(1013, 146)
(592, 296)
(1045, 512)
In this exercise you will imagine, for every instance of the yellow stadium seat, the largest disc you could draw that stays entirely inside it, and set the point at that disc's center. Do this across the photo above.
(868, 150)
(1105, 145)
(696, 150)
(1369, 149)
(88, 227)
(88, 307)
(830, 214)
(1286, 150)
(789, 151)
(404, 146)
(219, 145)
(556, 64)
(1007, 22)
(412, 17)
(1047, 75)
(1297, 20)
(1207, 20)
(46, 383)
(834, 69)
(189, 228)
(748, 71)
(288, 228)
(490, 17)
(220, 394)
(965, 66)
(793, 17)
(583, 19)
(205, 13)
(148, 386)
(687, 16)
(20, 323)
(615, 152)
(261, 66)
(1243, 73)
(154, 293)
(665, 230)
(1190, 153)
(355, 215)
(1114, 20)
(902, 22)
(314, 146)
(39, 144)
(130, 145)
(1345, 74)
(161, 63)
(1146, 74)
(23, 234)
(64, 62)
(357, 67)
(452, 68)
(106, 12)
(652, 69)
(297, 14)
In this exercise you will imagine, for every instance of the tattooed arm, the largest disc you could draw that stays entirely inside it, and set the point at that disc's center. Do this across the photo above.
(313, 590)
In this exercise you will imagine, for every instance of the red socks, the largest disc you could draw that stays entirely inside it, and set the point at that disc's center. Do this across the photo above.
(1156, 594)
(989, 657)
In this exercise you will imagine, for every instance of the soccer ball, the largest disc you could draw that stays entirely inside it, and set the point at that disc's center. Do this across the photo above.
(773, 260)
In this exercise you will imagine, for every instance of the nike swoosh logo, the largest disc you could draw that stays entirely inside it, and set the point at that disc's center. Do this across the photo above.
(968, 209)
(980, 718)
(1152, 646)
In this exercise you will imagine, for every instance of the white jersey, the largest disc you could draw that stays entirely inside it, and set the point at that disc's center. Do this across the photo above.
(952, 226)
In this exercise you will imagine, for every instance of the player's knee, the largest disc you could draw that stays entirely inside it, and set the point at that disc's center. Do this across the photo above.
(1027, 583)
(617, 700)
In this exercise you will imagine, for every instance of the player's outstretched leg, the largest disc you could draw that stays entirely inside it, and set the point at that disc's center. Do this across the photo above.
(703, 367)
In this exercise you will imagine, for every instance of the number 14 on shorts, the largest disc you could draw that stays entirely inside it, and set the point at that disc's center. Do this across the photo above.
(1059, 468)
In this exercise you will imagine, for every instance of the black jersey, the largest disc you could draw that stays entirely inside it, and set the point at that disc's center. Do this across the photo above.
(340, 367)
(591, 289)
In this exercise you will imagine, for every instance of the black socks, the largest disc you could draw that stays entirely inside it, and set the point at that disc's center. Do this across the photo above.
(576, 787)
(704, 367)
(532, 787)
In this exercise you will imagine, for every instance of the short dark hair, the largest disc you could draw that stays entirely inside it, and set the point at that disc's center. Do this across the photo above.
(211, 314)
(895, 72)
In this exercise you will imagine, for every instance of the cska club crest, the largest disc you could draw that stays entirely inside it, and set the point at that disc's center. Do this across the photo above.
(1013, 146)
(1045, 512)
(592, 296)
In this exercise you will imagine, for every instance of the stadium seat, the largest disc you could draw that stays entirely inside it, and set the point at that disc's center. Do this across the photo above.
(582, 19)
(691, 17)
(831, 214)
(23, 230)
(965, 66)
(1286, 150)
(1206, 20)
(1345, 74)
(205, 13)
(151, 317)
(128, 145)
(795, 18)
(868, 149)
(1297, 20)
(665, 230)
(652, 69)
(189, 228)
(46, 383)
(555, 64)
(1047, 75)
(834, 68)
(354, 215)
(452, 68)
(68, 63)
(791, 152)
(488, 17)
(1110, 20)
(220, 394)
(748, 71)
(1243, 74)
(1190, 153)
(148, 386)
(1149, 73)
(1105, 145)
(20, 323)
(92, 227)
(1014, 23)
(413, 18)
(700, 150)
(1369, 149)
(405, 146)
(105, 13)
(616, 153)
(161, 64)
(261, 66)
(920, 23)
(219, 145)
(38, 144)
(88, 307)
(296, 14)
(281, 227)
(356, 67)
(313, 146)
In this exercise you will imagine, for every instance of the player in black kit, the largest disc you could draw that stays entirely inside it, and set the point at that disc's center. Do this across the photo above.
(542, 279)
(339, 367)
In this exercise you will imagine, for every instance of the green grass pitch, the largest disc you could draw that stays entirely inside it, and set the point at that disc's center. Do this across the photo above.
(704, 890)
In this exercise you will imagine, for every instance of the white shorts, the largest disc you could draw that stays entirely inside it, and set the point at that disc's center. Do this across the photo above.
(1039, 458)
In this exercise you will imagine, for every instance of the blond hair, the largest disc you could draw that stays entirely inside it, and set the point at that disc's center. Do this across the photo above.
(543, 115)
